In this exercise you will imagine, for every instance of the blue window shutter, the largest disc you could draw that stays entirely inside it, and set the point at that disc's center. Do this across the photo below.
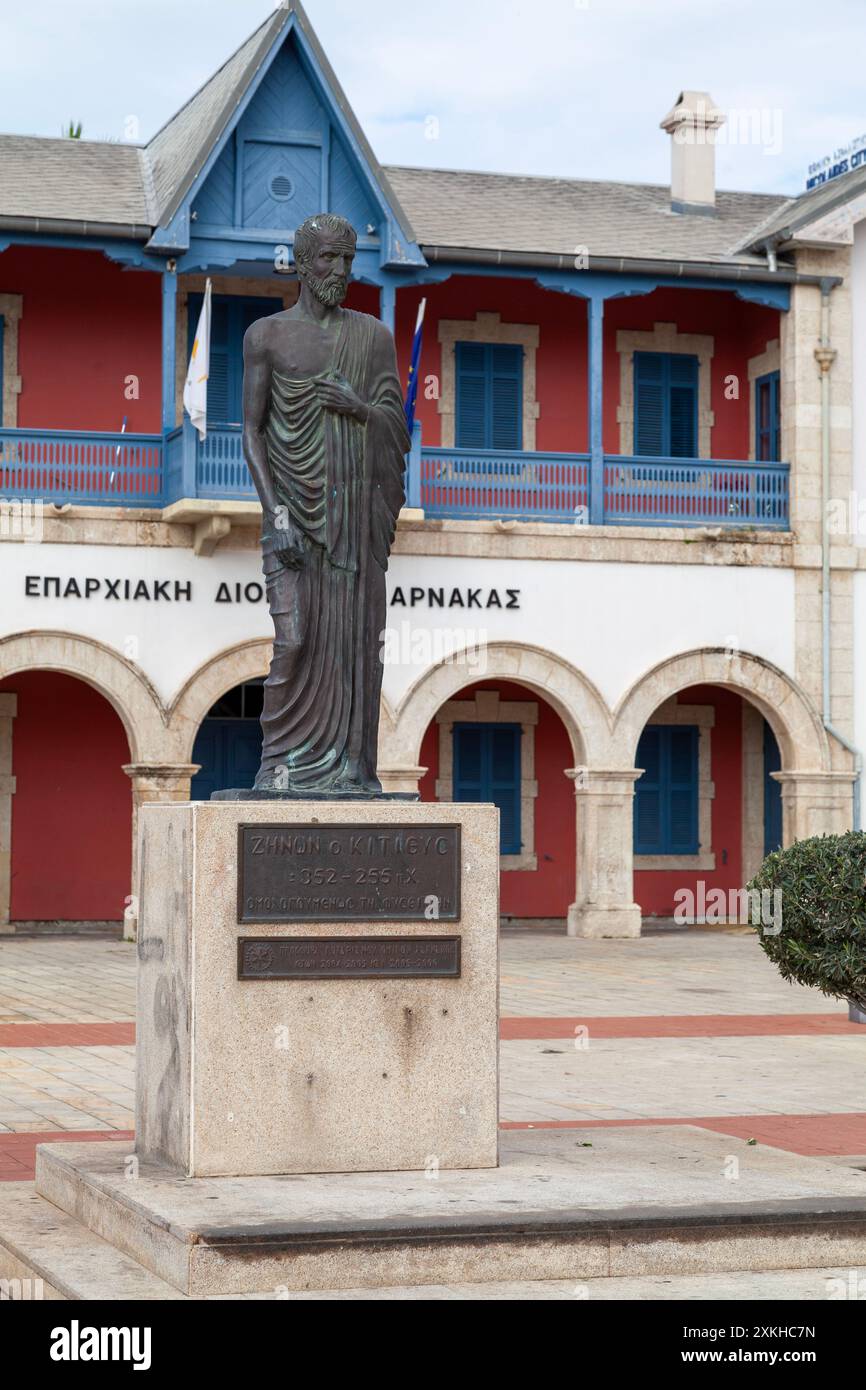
(471, 412)
(666, 404)
(650, 403)
(648, 794)
(682, 773)
(506, 396)
(772, 793)
(666, 797)
(768, 423)
(231, 316)
(489, 407)
(683, 441)
(486, 760)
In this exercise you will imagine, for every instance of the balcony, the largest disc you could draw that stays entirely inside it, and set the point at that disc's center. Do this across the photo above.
(127, 470)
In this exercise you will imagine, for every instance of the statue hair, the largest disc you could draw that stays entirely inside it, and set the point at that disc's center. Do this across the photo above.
(311, 232)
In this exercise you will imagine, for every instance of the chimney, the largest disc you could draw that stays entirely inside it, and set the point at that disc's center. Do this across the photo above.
(692, 124)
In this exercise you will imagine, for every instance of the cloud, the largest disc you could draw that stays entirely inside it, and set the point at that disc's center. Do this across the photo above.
(550, 87)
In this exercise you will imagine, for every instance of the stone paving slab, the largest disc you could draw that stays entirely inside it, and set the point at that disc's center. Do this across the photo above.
(639, 1078)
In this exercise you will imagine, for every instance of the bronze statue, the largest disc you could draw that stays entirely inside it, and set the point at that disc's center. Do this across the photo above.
(325, 439)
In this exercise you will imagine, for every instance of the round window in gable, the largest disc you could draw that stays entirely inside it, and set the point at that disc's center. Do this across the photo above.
(281, 188)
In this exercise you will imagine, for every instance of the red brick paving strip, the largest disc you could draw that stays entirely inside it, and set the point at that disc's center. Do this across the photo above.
(66, 1034)
(510, 1029)
(18, 1151)
(814, 1136)
(811, 1135)
(681, 1026)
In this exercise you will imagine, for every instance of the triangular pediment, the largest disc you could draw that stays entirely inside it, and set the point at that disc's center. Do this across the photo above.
(267, 142)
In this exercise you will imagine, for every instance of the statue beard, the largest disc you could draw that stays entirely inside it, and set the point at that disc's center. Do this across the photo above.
(330, 290)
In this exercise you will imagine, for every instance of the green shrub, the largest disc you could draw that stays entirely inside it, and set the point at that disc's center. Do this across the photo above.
(822, 941)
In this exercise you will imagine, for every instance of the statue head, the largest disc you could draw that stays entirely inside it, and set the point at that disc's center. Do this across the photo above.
(324, 251)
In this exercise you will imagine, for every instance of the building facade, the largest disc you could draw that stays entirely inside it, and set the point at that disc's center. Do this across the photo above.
(617, 607)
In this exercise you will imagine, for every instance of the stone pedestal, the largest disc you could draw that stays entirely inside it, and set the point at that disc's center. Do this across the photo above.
(262, 1075)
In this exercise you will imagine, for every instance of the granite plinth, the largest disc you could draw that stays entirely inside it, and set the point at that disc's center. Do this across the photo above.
(240, 1077)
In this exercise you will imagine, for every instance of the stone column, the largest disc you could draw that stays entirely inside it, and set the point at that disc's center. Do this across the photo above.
(604, 904)
(151, 782)
(815, 803)
(400, 779)
(8, 710)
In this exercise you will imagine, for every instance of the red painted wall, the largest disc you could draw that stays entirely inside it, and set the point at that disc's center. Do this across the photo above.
(72, 808)
(548, 890)
(86, 325)
(654, 889)
(739, 330)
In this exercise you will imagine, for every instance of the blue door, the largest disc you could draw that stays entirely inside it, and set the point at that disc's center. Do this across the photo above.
(229, 743)
(487, 768)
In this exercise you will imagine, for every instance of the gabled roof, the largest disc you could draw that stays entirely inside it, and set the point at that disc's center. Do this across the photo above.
(795, 213)
(89, 187)
(178, 151)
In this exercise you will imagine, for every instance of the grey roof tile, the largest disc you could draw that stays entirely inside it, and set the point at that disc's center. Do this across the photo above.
(79, 180)
(512, 212)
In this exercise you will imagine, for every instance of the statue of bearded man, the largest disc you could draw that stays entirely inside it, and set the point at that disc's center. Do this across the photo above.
(325, 439)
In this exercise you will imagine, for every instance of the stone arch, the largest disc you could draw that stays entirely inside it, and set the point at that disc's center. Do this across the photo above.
(800, 734)
(573, 697)
(123, 685)
(232, 667)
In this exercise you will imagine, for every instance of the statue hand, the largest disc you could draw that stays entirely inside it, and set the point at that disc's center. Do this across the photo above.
(336, 394)
(283, 539)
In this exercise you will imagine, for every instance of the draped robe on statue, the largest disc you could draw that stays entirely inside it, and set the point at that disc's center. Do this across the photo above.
(342, 484)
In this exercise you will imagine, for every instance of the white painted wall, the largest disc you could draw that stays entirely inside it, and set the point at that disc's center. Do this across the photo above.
(858, 396)
(611, 621)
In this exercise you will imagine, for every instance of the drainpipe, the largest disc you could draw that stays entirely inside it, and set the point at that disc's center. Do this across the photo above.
(825, 356)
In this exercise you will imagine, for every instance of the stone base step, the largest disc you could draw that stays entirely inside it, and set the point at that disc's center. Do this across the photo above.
(45, 1254)
(630, 1203)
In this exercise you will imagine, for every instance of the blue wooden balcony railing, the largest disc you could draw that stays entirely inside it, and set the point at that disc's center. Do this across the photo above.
(108, 470)
(149, 471)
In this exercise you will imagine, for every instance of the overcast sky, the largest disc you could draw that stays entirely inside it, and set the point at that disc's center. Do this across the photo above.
(569, 87)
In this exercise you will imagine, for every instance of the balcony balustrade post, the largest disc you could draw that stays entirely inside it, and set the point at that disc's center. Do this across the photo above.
(169, 327)
(596, 400)
(189, 459)
(413, 472)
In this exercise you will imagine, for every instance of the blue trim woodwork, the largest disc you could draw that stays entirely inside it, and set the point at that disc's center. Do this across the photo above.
(666, 796)
(768, 417)
(665, 405)
(169, 339)
(486, 767)
(772, 793)
(489, 395)
(388, 304)
(595, 309)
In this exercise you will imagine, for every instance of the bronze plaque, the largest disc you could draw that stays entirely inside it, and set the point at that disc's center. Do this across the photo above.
(347, 957)
(348, 873)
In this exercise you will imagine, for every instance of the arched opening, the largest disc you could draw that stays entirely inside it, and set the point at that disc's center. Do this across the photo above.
(228, 745)
(707, 808)
(500, 741)
(69, 807)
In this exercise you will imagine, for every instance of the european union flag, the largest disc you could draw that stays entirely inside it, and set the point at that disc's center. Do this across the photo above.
(412, 383)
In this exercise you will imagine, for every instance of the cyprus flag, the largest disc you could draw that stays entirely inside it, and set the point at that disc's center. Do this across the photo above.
(195, 386)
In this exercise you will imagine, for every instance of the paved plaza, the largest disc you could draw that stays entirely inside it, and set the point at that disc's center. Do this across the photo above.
(692, 1027)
